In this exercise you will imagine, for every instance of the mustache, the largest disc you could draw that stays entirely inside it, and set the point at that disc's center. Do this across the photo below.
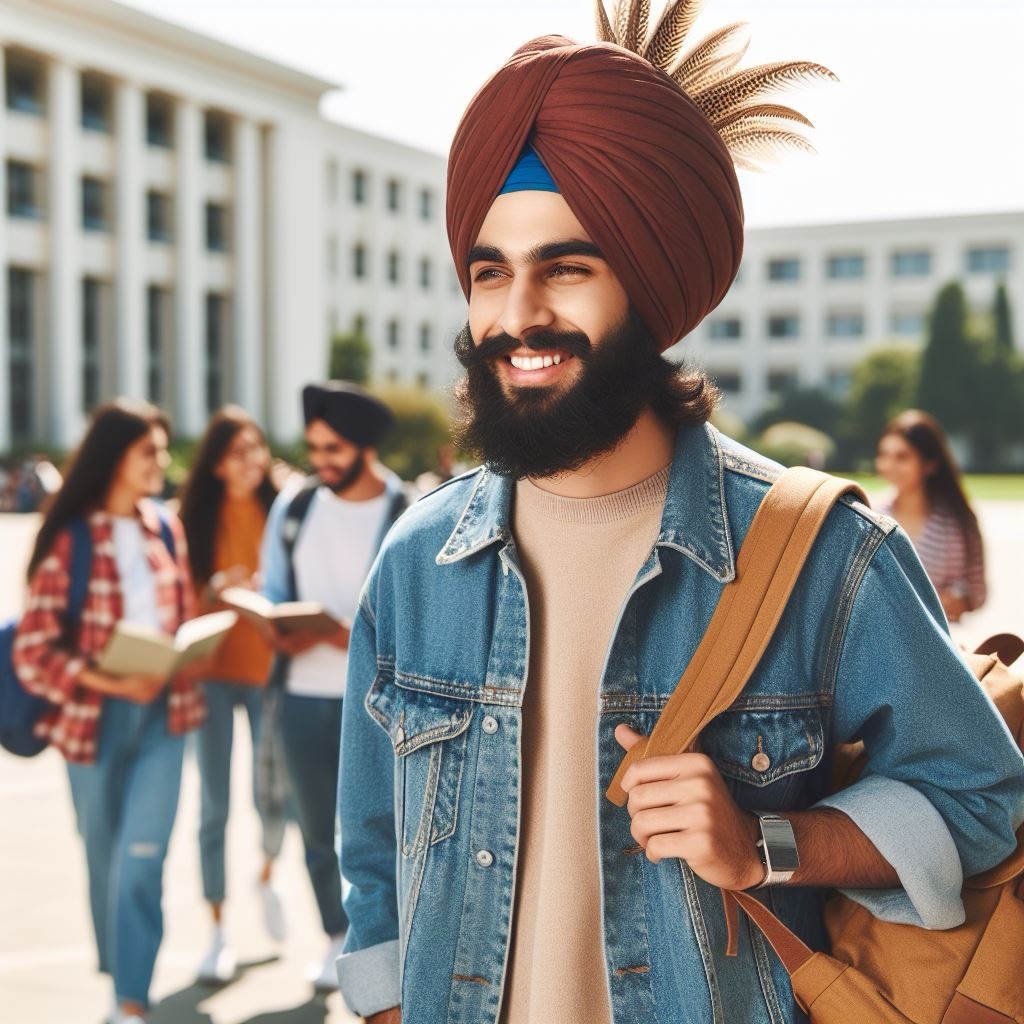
(470, 354)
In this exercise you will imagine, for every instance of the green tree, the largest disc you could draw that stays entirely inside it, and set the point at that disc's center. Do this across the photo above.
(1003, 320)
(350, 357)
(951, 364)
(883, 385)
(422, 425)
(810, 406)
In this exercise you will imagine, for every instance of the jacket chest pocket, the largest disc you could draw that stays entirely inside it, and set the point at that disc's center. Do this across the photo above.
(428, 734)
(765, 756)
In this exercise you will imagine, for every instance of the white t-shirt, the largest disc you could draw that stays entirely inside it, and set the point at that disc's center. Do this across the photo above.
(138, 581)
(335, 549)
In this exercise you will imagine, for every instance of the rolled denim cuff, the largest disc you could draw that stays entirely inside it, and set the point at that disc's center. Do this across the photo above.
(911, 835)
(368, 978)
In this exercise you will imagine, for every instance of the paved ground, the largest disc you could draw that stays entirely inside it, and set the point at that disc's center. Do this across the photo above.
(47, 971)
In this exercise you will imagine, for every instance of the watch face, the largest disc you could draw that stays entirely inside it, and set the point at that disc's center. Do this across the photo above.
(780, 844)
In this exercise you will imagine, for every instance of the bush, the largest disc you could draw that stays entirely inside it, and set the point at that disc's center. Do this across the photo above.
(422, 426)
(796, 444)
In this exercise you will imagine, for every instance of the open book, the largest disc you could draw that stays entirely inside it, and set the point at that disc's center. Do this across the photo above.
(288, 617)
(141, 650)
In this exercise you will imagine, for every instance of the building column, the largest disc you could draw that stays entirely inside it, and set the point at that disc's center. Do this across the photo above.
(65, 298)
(5, 313)
(247, 342)
(130, 371)
(189, 347)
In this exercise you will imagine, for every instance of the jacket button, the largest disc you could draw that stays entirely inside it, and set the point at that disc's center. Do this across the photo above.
(484, 858)
(761, 762)
(490, 724)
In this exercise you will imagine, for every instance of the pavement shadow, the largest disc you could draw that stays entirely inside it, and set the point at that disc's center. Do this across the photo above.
(182, 1007)
(313, 1011)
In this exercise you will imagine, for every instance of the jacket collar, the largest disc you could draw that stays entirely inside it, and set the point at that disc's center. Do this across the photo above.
(694, 521)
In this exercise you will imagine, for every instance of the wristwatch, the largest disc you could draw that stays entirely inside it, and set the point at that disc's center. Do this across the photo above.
(777, 847)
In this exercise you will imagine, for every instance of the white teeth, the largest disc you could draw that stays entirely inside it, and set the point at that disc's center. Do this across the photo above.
(548, 361)
(537, 363)
(534, 362)
(556, 360)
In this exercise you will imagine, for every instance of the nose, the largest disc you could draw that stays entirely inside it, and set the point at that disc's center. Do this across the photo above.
(526, 308)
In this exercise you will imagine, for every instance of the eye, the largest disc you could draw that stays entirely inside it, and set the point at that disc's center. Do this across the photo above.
(487, 274)
(569, 270)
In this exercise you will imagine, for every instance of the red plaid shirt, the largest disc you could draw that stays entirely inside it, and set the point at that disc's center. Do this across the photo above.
(48, 662)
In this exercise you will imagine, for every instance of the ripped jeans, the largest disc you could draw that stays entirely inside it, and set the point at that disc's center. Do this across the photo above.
(125, 805)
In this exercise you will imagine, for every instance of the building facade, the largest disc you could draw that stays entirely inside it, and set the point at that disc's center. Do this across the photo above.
(811, 302)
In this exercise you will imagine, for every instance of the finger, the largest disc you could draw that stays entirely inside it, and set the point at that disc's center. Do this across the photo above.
(691, 819)
(659, 794)
(673, 766)
(626, 737)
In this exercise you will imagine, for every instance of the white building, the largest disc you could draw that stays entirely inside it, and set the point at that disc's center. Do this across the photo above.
(180, 225)
(811, 302)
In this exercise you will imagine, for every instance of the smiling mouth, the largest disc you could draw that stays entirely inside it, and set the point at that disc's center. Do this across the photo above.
(537, 362)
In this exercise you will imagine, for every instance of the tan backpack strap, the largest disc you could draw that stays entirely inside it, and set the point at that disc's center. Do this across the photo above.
(790, 949)
(777, 544)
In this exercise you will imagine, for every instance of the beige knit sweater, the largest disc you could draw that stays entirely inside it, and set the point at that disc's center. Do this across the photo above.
(579, 557)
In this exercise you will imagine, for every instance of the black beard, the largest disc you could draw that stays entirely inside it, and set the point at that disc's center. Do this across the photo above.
(545, 431)
(351, 475)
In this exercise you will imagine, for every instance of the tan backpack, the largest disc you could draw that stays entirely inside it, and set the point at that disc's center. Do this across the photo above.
(878, 972)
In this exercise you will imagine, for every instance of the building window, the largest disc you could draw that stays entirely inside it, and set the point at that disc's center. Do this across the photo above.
(425, 272)
(155, 312)
(24, 83)
(23, 191)
(845, 325)
(394, 191)
(360, 187)
(394, 266)
(332, 255)
(849, 267)
(782, 381)
(907, 323)
(158, 217)
(425, 337)
(96, 103)
(215, 333)
(394, 332)
(728, 383)
(726, 329)
(92, 328)
(159, 121)
(784, 269)
(21, 331)
(785, 325)
(359, 261)
(95, 205)
(988, 260)
(216, 227)
(426, 204)
(332, 181)
(217, 138)
(917, 263)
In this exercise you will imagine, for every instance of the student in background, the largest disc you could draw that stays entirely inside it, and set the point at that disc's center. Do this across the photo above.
(224, 507)
(122, 736)
(928, 501)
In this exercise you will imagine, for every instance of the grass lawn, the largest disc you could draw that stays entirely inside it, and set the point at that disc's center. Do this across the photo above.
(980, 487)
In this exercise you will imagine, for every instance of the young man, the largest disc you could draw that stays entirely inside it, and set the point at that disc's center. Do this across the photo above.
(526, 623)
(318, 546)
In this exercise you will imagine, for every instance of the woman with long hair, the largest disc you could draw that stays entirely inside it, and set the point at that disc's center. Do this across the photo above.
(224, 508)
(122, 736)
(929, 502)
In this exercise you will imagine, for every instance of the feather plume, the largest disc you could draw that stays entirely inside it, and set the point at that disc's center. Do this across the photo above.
(713, 51)
(676, 21)
(762, 140)
(622, 11)
(604, 28)
(635, 29)
(762, 110)
(722, 98)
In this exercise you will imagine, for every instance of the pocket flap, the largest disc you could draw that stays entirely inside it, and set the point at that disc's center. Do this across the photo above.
(413, 719)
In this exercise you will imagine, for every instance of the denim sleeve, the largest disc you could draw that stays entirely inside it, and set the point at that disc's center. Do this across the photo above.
(274, 568)
(368, 969)
(943, 789)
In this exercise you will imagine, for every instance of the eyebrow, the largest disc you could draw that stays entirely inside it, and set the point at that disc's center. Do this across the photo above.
(538, 254)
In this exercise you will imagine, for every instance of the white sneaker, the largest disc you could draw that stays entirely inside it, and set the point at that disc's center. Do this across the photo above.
(273, 911)
(219, 963)
(325, 975)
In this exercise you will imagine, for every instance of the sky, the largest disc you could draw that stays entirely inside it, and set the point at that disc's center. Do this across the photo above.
(927, 117)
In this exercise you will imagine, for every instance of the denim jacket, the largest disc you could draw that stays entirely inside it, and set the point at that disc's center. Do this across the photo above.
(430, 761)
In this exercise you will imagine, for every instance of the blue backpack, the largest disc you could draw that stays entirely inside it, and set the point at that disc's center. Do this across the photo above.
(19, 709)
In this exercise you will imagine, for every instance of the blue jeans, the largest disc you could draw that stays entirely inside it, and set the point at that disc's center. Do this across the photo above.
(214, 741)
(125, 804)
(311, 735)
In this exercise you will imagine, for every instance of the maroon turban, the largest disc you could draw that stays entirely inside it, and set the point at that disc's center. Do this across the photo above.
(639, 165)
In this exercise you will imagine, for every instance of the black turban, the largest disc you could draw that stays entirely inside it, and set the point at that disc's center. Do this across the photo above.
(348, 410)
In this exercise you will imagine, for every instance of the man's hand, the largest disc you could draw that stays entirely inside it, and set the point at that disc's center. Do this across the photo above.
(197, 670)
(681, 808)
(392, 1016)
(298, 642)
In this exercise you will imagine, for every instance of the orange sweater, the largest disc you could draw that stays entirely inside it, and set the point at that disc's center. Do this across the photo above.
(244, 657)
